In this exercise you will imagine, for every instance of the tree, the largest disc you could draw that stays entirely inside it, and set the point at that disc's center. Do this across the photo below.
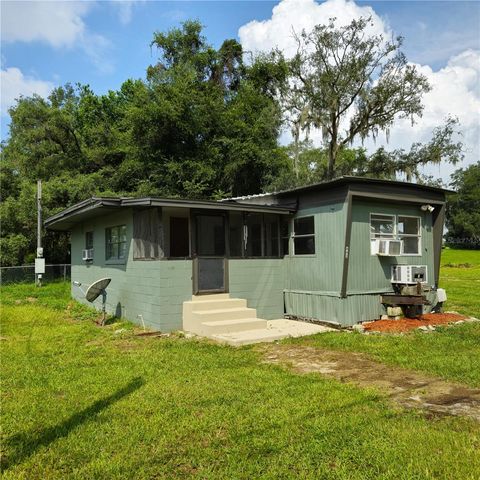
(308, 164)
(344, 76)
(463, 207)
(201, 124)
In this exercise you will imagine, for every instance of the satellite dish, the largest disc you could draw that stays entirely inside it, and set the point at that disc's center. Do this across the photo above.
(96, 289)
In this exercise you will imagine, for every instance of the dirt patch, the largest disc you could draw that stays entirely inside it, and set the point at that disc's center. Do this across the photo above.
(407, 324)
(407, 388)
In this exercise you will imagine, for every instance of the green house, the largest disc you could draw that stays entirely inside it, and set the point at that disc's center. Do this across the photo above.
(326, 252)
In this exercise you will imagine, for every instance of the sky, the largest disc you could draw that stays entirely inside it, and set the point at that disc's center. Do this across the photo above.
(104, 43)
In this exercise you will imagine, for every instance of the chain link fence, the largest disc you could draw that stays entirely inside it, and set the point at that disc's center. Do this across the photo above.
(26, 273)
(467, 243)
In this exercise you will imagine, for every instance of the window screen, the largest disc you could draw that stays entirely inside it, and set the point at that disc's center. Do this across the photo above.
(382, 226)
(254, 235)
(285, 234)
(210, 235)
(147, 234)
(304, 235)
(271, 235)
(409, 233)
(236, 234)
(116, 242)
(179, 237)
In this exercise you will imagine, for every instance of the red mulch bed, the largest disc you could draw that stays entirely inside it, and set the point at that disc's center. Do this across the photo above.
(406, 324)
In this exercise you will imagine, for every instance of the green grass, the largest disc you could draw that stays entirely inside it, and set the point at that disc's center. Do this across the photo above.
(82, 402)
(452, 353)
(462, 282)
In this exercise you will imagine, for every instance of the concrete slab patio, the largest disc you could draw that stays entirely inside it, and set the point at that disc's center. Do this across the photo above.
(275, 330)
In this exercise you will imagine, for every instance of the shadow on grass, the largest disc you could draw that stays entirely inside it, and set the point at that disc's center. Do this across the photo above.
(26, 444)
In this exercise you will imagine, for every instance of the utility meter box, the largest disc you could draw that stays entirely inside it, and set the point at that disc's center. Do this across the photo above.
(39, 265)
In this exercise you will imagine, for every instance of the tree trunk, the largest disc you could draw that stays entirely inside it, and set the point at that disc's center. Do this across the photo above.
(332, 150)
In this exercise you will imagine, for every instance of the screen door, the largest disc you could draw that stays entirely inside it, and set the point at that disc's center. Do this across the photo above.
(210, 265)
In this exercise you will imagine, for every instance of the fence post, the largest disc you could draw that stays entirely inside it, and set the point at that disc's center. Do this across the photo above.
(64, 272)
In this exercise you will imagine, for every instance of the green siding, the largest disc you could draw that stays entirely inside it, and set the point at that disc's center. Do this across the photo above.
(260, 281)
(313, 284)
(368, 272)
(344, 311)
(321, 272)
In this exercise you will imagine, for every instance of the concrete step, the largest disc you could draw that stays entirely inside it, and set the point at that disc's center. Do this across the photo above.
(216, 304)
(220, 314)
(229, 326)
(214, 296)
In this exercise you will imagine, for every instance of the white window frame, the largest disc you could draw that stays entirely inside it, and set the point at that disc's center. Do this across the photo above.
(396, 235)
(293, 236)
(411, 235)
(374, 236)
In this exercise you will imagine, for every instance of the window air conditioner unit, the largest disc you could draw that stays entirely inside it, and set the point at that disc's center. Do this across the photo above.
(388, 248)
(87, 254)
(409, 274)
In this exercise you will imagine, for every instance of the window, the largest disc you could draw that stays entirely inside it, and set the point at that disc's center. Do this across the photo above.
(254, 235)
(271, 235)
(304, 236)
(402, 227)
(210, 235)
(236, 234)
(147, 234)
(116, 242)
(179, 237)
(381, 227)
(285, 235)
(253, 247)
(409, 234)
(88, 240)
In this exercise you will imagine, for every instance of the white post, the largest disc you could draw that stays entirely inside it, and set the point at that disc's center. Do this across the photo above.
(39, 229)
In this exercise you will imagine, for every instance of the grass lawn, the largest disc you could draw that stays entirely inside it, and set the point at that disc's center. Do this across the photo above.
(83, 402)
(460, 276)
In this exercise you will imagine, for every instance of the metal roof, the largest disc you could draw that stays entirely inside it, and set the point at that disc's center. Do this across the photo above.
(95, 206)
(345, 180)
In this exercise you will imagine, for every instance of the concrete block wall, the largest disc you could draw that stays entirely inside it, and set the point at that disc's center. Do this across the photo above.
(260, 282)
(153, 289)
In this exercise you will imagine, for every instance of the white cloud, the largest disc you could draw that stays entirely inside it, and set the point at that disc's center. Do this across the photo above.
(15, 84)
(455, 92)
(125, 9)
(295, 15)
(58, 24)
(455, 88)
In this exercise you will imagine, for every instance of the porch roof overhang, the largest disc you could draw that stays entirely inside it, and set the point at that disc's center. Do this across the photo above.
(95, 206)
